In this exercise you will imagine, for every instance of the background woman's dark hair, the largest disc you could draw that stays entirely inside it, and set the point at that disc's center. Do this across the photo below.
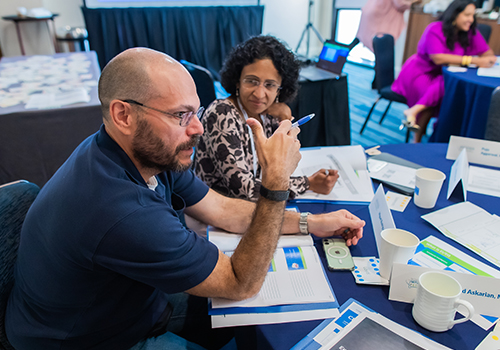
(257, 48)
(449, 16)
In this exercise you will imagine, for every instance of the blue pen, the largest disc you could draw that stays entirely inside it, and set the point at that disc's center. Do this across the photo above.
(303, 120)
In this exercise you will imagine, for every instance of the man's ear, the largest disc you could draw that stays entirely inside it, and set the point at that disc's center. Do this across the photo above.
(121, 117)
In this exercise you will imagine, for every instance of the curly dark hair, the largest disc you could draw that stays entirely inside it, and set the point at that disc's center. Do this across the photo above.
(449, 30)
(257, 48)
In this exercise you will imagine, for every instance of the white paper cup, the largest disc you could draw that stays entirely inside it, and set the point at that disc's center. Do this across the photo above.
(396, 246)
(428, 183)
(438, 296)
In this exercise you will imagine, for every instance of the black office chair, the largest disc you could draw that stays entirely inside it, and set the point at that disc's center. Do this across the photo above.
(492, 132)
(15, 200)
(204, 81)
(383, 47)
(485, 30)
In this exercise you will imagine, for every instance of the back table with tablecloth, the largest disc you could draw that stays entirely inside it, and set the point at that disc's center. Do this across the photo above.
(328, 99)
(464, 109)
(35, 142)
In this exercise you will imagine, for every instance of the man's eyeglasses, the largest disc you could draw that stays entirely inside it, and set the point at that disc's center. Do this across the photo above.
(185, 117)
(251, 83)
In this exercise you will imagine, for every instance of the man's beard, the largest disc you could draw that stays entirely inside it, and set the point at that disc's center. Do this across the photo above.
(152, 153)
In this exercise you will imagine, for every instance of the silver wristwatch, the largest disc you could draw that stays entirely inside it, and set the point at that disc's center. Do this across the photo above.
(304, 228)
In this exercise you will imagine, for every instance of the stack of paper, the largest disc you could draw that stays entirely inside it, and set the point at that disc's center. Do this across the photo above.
(54, 100)
(295, 289)
(394, 172)
(353, 185)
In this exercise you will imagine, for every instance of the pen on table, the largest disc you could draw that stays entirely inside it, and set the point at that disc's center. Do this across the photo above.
(303, 120)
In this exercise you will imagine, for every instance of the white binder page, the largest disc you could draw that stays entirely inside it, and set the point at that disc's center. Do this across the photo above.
(471, 226)
(354, 183)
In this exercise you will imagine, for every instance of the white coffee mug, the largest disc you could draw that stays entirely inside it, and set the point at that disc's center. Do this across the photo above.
(428, 184)
(396, 246)
(438, 296)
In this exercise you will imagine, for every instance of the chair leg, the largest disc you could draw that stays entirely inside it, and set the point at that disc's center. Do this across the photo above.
(368, 116)
(385, 113)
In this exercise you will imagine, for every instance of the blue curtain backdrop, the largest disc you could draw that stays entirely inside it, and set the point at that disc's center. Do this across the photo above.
(201, 35)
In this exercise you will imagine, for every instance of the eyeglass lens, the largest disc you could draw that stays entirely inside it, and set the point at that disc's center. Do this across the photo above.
(253, 83)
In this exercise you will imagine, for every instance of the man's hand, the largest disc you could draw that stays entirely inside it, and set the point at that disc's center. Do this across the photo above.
(323, 181)
(337, 223)
(280, 111)
(278, 155)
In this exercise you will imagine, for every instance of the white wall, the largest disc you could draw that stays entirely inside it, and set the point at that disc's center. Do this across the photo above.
(285, 19)
(35, 35)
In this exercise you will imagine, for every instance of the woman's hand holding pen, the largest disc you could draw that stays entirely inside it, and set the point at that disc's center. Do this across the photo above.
(323, 180)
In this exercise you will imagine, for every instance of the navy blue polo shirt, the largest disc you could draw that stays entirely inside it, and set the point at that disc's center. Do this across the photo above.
(100, 252)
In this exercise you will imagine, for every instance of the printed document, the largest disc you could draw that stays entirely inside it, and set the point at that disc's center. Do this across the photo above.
(484, 181)
(354, 183)
(295, 283)
(471, 226)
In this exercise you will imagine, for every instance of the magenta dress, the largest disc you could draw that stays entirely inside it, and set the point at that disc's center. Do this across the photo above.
(421, 80)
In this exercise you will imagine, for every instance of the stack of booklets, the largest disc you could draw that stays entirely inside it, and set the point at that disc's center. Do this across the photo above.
(394, 172)
(295, 289)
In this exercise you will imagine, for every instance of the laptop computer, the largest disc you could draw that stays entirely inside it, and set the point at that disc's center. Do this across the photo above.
(333, 56)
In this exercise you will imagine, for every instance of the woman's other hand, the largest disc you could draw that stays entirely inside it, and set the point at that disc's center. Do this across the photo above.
(280, 111)
(485, 61)
(323, 180)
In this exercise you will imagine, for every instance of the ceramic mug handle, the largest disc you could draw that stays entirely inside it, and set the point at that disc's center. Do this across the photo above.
(469, 308)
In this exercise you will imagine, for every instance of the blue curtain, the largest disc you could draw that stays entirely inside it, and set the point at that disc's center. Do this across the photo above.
(201, 35)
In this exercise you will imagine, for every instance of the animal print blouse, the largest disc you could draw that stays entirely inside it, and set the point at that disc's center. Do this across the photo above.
(224, 159)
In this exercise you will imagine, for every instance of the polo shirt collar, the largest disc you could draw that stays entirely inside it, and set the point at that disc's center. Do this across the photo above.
(114, 152)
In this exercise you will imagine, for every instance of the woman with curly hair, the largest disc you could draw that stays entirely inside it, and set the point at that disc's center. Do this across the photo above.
(260, 75)
(451, 40)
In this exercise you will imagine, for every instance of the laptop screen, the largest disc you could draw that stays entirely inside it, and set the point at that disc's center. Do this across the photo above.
(333, 57)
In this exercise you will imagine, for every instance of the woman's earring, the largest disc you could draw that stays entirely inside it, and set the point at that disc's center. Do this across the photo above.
(454, 23)
(237, 92)
(278, 99)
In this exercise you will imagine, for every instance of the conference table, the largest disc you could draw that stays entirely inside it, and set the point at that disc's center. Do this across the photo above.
(464, 109)
(462, 336)
(34, 143)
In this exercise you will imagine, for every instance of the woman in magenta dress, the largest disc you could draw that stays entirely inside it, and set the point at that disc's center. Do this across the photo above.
(453, 39)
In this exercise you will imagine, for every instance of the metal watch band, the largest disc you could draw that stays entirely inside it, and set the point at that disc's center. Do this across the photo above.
(303, 226)
(277, 196)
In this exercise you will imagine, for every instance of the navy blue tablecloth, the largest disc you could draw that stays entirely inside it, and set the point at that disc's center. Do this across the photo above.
(464, 109)
(463, 336)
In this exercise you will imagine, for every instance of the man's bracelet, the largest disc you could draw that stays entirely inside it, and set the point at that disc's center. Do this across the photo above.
(277, 196)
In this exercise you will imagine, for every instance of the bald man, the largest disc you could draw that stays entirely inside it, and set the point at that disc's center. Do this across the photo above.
(103, 249)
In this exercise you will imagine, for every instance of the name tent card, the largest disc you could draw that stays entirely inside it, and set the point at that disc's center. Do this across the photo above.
(380, 214)
(459, 174)
(478, 151)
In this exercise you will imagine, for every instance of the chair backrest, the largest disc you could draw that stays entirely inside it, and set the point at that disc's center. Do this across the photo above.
(15, 200)
(485, 30)
(204, 81)
(383, 48)
(493, 125)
